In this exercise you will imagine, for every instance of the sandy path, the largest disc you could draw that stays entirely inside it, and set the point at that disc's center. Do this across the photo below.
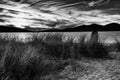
(93, 70)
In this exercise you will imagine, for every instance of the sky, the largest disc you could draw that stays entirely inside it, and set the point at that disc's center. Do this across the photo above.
(56, 14)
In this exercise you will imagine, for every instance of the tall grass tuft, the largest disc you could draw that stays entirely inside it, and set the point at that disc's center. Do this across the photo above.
(56, 47)
(24, 62)
(3, 42)
(92, 50)
(117, 44)
(35, 40)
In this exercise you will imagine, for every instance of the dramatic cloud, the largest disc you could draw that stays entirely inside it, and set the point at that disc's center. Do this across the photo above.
(58, 13)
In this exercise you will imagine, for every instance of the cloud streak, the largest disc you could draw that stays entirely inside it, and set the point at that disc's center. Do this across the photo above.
(52, 15)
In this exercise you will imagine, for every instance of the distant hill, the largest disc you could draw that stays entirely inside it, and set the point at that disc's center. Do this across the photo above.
(86, 28)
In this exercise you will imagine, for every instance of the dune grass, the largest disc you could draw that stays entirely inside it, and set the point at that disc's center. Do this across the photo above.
(54, 46)
(21, 61)
(41, 56)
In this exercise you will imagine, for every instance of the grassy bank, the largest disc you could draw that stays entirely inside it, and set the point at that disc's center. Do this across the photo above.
(44, 56)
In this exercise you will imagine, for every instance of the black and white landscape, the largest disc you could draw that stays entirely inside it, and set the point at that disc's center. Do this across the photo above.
(58, 14)
(60, 56)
